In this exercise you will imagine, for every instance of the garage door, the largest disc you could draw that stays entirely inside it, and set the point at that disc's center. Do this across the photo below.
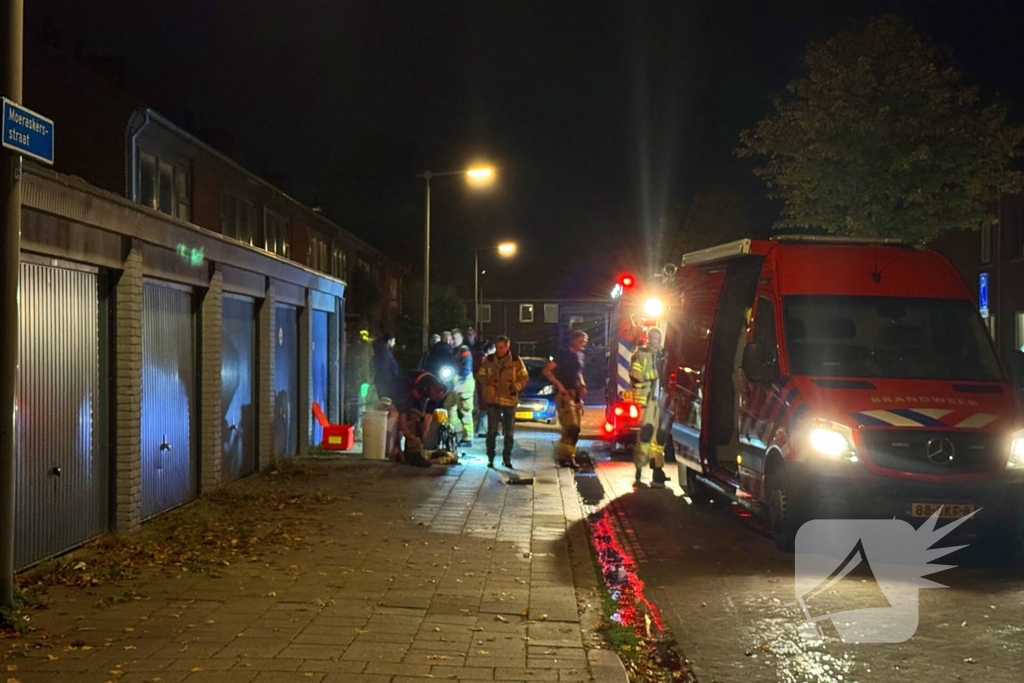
(61, 462)
(318, 361)
(168, 388)
(237, 381)
(286, 381)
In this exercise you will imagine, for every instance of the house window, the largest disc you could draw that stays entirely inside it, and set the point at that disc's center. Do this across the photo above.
(485, 313)
(164, 187)
(339, 260)
(238, 219)
(1020, 330)
(393, 290)
(277, 238)
(526, 313)
(527, 349)
(317, 256)
(986, 244)
(551, 313)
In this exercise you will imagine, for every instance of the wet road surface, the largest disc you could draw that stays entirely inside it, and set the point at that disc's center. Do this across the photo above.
(719, 584)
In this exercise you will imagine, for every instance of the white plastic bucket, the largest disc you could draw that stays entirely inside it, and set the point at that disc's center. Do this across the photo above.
(375, 434)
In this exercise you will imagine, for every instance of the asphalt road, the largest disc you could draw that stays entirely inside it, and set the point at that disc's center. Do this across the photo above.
(728, 596)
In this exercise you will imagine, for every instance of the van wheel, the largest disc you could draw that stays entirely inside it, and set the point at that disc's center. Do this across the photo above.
(784, 512)
(696, 490)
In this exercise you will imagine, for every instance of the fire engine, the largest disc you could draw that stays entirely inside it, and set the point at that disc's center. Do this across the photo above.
(638, 307)
(817, 377)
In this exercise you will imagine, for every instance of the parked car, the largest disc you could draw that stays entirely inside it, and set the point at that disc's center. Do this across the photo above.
(537, 400)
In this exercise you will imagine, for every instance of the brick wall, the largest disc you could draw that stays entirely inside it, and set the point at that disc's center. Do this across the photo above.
(211, 329)
(265, 343)
(128, 393)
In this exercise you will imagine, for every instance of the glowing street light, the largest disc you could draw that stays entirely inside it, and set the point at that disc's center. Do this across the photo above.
(505, 250)
(476, 176)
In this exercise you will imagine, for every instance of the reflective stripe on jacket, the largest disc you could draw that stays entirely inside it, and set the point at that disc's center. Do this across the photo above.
(643, 373)
(502, 379)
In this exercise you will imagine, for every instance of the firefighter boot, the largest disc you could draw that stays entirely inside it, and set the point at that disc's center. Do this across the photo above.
(658, 479)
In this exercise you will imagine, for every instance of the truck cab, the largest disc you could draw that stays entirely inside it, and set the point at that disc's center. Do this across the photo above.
(814, 377)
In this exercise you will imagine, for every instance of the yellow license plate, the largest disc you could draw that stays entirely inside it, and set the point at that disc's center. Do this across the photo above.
(627, 395)
(949, 510)
(524, 415)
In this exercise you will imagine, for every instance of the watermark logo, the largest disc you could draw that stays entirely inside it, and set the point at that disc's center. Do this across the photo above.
(889, 560)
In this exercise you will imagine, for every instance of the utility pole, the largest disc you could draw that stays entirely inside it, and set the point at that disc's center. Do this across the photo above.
(426, 267)
(11, 27)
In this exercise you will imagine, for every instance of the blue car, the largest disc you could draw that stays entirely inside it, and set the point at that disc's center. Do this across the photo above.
(537, 400)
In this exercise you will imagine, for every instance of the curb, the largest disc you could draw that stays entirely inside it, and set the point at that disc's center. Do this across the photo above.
(606, 667)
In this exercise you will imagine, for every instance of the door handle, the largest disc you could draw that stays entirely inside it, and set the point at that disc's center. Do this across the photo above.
(55, 471)
(164, 446)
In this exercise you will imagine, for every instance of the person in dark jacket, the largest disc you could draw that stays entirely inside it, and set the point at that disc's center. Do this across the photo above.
(440, 363)
(421, 393)
(463, 393)
(386, 371)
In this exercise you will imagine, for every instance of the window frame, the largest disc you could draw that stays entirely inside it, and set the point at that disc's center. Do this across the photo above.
(553, 318)
(484, 314)
(533, 313)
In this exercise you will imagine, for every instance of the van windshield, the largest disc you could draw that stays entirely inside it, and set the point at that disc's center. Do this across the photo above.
(905, 338)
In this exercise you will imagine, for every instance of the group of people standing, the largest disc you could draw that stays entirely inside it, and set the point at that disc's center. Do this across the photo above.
(477, 381)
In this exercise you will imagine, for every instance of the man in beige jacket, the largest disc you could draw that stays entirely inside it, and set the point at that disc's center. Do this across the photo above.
(503, 375)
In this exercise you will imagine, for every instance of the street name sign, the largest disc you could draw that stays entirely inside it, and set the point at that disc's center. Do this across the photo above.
(28, 133)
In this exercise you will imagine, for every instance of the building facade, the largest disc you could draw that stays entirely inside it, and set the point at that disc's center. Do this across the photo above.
(178, 317)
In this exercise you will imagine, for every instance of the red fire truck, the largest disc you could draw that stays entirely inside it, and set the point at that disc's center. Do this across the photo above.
(638, 307)
(827, 377)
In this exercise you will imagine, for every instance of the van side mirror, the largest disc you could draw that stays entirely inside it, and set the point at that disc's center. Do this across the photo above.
(755, 368)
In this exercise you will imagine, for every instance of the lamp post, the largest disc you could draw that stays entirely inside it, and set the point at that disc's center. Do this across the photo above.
(507, 250)
(478, 176)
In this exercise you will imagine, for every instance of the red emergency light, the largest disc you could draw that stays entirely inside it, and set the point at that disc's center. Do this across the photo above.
(626, 280)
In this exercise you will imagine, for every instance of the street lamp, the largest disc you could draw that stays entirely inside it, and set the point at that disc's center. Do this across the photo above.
(506, 250)
(477, 176)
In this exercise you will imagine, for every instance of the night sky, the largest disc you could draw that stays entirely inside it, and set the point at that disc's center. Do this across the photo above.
(601, 116)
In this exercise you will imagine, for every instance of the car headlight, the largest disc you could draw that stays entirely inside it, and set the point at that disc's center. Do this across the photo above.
(1016, 450)
(546, 390)
(832, 440)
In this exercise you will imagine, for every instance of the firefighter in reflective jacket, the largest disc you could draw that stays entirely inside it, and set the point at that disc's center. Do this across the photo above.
(643, 375)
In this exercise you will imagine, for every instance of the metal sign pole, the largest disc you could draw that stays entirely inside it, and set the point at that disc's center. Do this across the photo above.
(10, 256)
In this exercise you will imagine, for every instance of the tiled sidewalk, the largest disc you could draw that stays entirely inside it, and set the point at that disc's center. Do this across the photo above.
(448, 573)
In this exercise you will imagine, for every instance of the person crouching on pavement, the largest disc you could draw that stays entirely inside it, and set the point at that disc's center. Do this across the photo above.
(423, 394)
(565, 371)
(460, 401)
(503, 375)
(643, 375)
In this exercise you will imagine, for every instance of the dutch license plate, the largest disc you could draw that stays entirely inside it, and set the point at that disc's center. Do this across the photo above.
(524, 415)
(949, 510)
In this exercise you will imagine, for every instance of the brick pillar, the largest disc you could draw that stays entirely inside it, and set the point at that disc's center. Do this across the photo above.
(266, 344)
(128, 393)
(305, 401)
(334, 363)
(211, 330)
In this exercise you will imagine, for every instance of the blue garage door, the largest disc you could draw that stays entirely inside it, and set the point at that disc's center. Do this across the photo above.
(237, 381)
(286, 381)
(318, 363)
(169, 467)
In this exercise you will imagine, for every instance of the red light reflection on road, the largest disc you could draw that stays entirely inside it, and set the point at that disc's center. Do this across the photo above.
(618, 568)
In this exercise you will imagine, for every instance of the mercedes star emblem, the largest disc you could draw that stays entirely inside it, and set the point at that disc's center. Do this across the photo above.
(940, 451)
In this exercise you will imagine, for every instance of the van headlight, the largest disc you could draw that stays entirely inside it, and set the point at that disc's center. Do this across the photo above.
(1016, 458)
(834, 441)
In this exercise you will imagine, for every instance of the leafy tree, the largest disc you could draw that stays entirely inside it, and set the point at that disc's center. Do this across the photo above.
(883, 138)
(363, 293)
